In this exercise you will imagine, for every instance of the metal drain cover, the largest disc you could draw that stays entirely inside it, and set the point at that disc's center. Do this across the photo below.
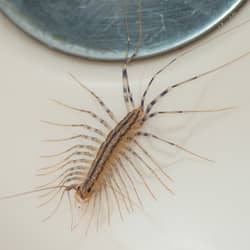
(95, 28)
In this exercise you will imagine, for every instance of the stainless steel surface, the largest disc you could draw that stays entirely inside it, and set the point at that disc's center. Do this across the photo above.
(95, 28)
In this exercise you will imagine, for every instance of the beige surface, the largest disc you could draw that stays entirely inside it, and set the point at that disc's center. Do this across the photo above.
(211, 207)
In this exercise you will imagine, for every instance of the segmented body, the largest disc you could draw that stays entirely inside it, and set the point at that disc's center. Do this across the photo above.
(108, 151)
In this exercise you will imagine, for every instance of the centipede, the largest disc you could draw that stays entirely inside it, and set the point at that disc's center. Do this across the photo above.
(102, 171)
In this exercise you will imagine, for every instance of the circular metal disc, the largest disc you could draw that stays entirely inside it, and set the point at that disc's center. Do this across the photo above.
(95, 28)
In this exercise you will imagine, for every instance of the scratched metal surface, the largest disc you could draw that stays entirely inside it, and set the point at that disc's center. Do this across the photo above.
(95, 28)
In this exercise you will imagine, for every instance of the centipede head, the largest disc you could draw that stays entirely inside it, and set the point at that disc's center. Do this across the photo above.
(82, 194)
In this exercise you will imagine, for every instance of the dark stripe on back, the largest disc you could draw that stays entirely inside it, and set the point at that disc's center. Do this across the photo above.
(111, 142)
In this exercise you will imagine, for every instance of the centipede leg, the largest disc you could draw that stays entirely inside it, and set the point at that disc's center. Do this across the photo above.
(173, 145)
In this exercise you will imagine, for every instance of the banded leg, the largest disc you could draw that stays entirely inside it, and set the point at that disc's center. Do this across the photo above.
(75, 147)
(83, 136)
(178, 84)
(70, 170)
(127, 94)
(128, 98)
(186, 112)
(187, 52)
(124, 198)
(99, 100)
(55, 168)
(173, 145)
(85, 126)
(152, 80)
(149, 168)
(115, 196)
(92, 114)
(124, 155)
(129, 179)
(152, 159)
(77, 153)
(124, 186)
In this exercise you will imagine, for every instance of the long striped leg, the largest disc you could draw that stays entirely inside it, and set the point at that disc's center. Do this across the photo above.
(152, 80)
(124, 155)
(75, 147)
(70, 170)
(102, 104)
(85, 126)
(152, 159)
(187, 52)
(129, 179)
(91, 113)
(55, 167)
(124, 186)
(115, 196)
(128, 98)
(118, 191)
(77, 153)
(173, 145)
(149, 168)
(83, 136)
(178, 84)
(124, 198)
(186, 112)
(127, 95)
